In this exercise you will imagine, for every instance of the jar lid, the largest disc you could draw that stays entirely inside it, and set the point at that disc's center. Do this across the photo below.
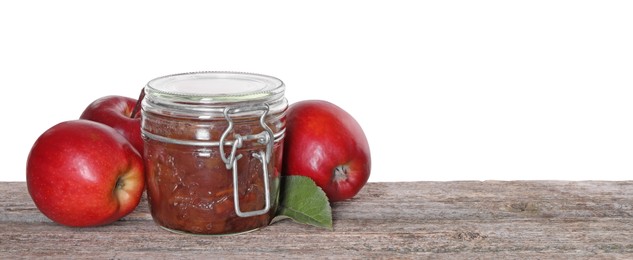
(213, 87)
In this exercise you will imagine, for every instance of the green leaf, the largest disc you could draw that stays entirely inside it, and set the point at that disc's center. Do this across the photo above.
(304, 202)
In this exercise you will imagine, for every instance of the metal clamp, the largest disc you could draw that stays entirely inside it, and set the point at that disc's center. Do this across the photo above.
(262, 157)
(265, 137)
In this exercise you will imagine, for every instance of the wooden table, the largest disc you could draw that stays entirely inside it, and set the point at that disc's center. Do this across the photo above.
(456, 220)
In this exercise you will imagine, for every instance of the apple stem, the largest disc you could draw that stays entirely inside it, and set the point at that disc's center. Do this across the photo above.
(340, 173)
(137, 107)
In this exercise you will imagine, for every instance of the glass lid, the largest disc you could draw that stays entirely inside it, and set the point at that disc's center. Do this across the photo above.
(214, 87)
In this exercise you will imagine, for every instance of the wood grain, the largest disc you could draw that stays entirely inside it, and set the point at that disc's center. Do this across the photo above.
(413, 220)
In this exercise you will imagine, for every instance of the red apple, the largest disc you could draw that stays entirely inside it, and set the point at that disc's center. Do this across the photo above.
(83, 173)
(116, 111)
(325, 143)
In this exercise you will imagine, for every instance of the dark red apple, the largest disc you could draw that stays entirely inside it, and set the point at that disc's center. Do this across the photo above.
(83, 173)
(116, 111)
(325, 143)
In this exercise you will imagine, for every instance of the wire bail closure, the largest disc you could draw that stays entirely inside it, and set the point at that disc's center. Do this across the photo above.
(265, 137)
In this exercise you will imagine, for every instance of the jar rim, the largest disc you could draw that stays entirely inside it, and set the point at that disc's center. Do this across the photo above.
(212, 87)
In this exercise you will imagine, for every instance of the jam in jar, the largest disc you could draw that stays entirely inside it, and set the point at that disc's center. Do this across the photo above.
(213, 150)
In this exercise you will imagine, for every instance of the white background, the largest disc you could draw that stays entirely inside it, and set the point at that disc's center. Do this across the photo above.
(445, 90)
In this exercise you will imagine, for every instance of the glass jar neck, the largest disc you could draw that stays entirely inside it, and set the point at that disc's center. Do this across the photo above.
(210, 94)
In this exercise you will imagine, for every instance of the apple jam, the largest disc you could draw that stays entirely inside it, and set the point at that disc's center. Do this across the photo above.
(213, 150)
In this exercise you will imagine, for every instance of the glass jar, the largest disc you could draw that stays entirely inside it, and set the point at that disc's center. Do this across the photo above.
(213, 150)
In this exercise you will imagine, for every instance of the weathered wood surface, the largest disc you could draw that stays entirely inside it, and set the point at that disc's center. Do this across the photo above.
(456, 220)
